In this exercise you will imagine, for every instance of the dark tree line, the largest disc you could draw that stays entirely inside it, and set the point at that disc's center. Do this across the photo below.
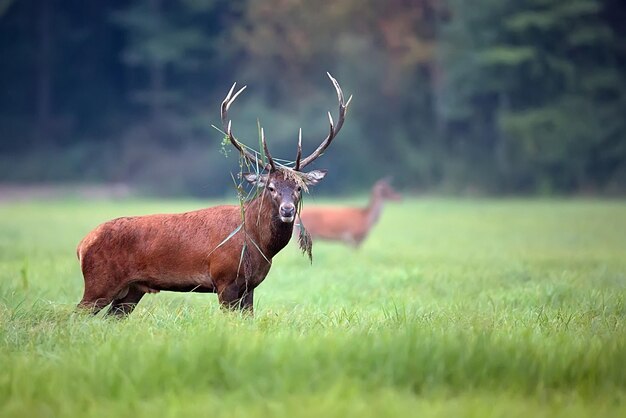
(489, 95)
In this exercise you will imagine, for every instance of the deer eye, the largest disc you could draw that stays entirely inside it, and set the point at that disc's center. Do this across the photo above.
(271, 188)
(299, 189)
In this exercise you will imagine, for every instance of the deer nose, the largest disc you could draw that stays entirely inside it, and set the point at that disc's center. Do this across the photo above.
(287, 210)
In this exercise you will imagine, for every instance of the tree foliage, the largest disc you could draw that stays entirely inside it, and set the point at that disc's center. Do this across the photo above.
(549, 78)
(491, 95)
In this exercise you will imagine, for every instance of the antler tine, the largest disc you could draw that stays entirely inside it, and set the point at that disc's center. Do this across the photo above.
(267, 151)
(227, 124)
(299, 154)
(334, 129)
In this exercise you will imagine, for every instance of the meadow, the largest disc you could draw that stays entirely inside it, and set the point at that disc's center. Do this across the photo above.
(452, 307)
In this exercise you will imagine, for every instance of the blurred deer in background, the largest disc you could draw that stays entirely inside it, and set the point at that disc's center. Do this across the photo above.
(348, 224)
(218, 250)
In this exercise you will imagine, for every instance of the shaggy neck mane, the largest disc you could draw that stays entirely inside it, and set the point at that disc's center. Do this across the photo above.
(264, 225)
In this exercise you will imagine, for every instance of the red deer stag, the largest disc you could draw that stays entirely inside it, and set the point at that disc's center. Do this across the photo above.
(347, 224)
(213, 250)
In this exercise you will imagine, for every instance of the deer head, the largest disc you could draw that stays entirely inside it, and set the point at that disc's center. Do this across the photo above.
(383, 189)
(282, 183)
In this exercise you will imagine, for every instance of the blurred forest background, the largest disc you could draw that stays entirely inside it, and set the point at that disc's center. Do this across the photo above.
(453, 96)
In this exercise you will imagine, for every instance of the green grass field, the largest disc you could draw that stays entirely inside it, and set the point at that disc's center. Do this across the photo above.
(451, 308)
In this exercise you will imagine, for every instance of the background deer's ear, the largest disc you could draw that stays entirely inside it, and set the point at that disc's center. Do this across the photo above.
(258, 180)
(313, 177)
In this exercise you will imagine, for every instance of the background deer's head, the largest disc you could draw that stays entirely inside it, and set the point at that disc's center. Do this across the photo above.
(383, 190)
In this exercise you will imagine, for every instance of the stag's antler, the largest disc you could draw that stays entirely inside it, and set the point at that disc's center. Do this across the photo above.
(267, 151)
(253, 159)
(226, 123)
(299, 153)
(334, 129)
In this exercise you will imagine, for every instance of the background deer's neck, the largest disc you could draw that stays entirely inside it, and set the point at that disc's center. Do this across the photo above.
(374, 208)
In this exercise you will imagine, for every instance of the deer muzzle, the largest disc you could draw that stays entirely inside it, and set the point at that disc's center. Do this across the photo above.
(287, 212)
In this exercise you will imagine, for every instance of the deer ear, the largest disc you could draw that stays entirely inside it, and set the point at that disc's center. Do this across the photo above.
(313, 177)
(258, 180)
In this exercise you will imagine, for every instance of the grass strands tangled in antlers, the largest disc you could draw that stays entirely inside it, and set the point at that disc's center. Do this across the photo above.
(242, 197)
(249, 156)
(305, 242)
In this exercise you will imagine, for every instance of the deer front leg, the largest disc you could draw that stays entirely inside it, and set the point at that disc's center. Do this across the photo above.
(229, 296)
(247, 302)
(233, 298)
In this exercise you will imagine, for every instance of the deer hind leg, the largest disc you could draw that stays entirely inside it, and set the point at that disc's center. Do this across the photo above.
(124, 304)
(97, 296)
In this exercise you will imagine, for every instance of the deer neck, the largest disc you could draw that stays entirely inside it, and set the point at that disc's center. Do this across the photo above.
(374, 209)
(264, 226)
